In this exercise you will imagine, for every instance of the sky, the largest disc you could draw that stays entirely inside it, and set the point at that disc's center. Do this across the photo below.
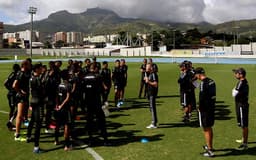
(189, 11)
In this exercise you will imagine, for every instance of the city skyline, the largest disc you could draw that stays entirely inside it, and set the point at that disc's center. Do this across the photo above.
(188, 11)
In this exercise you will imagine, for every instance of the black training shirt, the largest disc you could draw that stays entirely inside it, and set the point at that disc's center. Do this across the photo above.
(243, 92)
(207, 95)
(23, 81)
(153, 77)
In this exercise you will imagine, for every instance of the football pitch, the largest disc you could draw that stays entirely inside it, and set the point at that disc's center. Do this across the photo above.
(171, 140)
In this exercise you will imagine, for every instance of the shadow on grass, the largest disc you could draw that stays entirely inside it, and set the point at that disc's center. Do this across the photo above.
(123, 137)
(53, 149)
(235, 152)
(222, 111)
(137, 103)
(168, 96)
(126, 137)
(193, 124)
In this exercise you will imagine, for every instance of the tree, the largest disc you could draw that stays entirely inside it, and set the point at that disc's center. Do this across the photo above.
(193, 36)
(154, 39)
(47, 44)
(59, 44)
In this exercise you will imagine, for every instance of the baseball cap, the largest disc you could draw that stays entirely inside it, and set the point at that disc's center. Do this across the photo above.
(199, 70)
(183, 64)
(240, 71)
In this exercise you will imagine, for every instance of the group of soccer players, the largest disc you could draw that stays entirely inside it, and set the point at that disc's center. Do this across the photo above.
(207, 98)
(188, 83)
(55, 94)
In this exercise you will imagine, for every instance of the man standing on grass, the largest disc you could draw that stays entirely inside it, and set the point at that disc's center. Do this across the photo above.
(241, 94)
(142, 81)
(62, 114)
(207, 98)
(152, 84)
(36, 102)
(124, 69)
(93, 88)
(21, 86)
(118, 79)
(12, 96)
(186, 90)
(106, 78)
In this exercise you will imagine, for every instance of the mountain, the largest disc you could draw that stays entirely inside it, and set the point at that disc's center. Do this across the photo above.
(95, 21)
(243, 27)
(102, 21)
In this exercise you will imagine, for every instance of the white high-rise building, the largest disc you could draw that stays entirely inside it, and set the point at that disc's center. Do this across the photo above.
(10, 35)
(25, 35)
(22, 35)
(101, 38)
(74, 37)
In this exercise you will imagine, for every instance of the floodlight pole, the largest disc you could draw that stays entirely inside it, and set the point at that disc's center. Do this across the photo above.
(32, 11)
(174, 38)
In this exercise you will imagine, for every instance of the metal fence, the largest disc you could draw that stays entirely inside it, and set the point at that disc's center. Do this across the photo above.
(13, 52)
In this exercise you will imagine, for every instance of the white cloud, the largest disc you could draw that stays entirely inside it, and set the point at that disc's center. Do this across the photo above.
(162, 10)
(226, 10)
(214, 11)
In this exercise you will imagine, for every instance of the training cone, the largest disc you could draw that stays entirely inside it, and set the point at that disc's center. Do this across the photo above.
(144, 140)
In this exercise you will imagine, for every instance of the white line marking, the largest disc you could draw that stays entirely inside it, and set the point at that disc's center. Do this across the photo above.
(200, 118)
(4, 112)
(94, 154)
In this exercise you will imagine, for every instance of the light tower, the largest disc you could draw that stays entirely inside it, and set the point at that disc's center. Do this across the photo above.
(32, 11)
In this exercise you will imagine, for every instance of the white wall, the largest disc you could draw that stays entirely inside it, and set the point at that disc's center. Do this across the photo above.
(72, 52)
(142, 51)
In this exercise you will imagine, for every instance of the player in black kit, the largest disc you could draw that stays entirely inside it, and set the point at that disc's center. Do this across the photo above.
(12, 96)
(21, 86)
(124, 69)
(142, 81)
(118, 78)
(52, 80)
(186, 90)
(241, 95)
(62, 114)
(106, 77)
(93, 87)
(152, 81)
(36, 102)
(207, 99)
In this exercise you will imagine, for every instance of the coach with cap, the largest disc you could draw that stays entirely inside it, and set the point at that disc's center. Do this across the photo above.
(241, 95)
(207, 98)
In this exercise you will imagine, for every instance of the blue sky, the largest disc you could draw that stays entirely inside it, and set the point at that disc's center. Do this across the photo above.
(213, 11)
(4, 17)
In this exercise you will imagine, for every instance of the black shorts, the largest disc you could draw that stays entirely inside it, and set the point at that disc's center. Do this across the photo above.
(242, 114)
(119, 86)
(187, 98)
(74, 101)
(22, 98)
(63, 117)
(206, 119)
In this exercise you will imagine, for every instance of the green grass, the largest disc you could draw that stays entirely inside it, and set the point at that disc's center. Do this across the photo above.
(172, 140)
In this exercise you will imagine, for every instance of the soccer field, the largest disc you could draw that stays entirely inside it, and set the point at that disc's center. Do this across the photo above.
(172, 140)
